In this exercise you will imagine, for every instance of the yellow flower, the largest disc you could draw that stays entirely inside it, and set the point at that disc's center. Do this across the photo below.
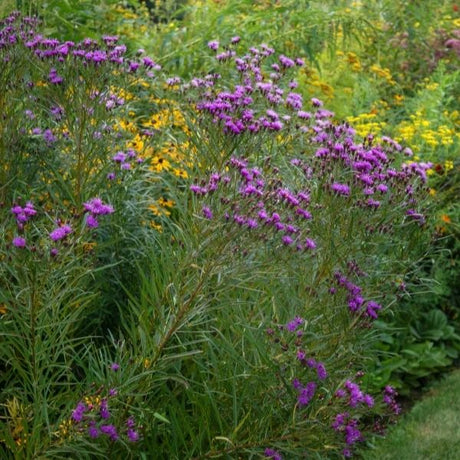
(136, 143)
(448, 165)
(64, 428)
(180, 173)
(89, 246)
(155, 209)
(156, 226)
(159, 163)
(445, 218)
(166, 203)
(432, 86)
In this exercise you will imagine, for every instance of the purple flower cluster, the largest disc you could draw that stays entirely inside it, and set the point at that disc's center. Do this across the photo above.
(389, 398)
(18, 31)
(265, 208)
(364, 171)
(23, 214)
(311, 363)
(356, 302)
(239, 110)
(93, 417)
(305, 393)
(125, 160)
(78, 412)
(294, 324)
(354, 396)
(348, 426)
(59, 233)
(95, 207)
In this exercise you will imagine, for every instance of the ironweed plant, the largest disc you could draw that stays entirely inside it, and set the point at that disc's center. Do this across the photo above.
(242, 326)
(294, 237)
(73, 214)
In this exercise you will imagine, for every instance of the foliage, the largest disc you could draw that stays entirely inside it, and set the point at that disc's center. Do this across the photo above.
(422, 338)
(207, 262)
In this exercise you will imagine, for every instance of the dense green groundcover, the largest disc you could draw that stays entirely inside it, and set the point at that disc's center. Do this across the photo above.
(230, 228)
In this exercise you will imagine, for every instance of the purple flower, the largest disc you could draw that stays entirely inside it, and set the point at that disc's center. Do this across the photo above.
(306, 394)
(30, 114)
(369, 400)
(110, 430)
(173, 81)
(382, 188)
(352, 434)
(340, 189)
(207, 213)
(300, 62)
(60, 232)
(339, 421)
(272, 114)
(19, 242)
(150, 63)
(115, 367)
(133, 435)
(130, 422)
(321, 371)
(198, 190)
(104, 409)
(213, 45)
(287, 240)
(97, 207)
(294, 324)
(371, 309)
(316, 102)
(48, 136)
(93, 432)
(300, 355)
(113, 392)
(310, 244)
(262, 214)
(91, 221)
(251, 223)
(355, 303)
(77, 413)
(304, 115)
(273, 454)
(54, 78)
(286, 62)
(119, 157)
(294, 100)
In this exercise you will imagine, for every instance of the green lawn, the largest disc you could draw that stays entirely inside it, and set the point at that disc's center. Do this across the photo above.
(430, 431)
